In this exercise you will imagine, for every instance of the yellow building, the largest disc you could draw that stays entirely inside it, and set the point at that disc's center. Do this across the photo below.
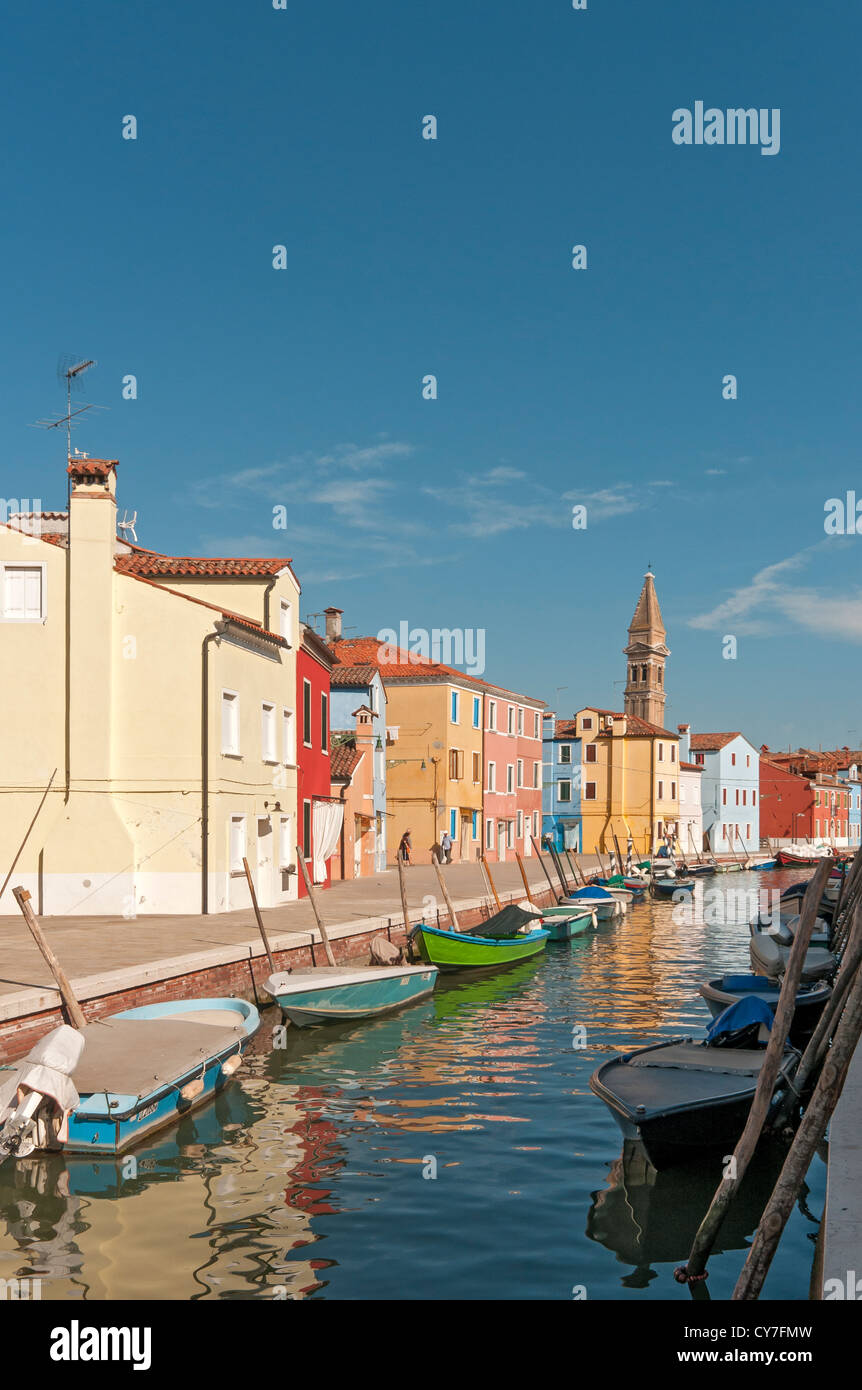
(434, 721)
(160, 694)
(629, 781)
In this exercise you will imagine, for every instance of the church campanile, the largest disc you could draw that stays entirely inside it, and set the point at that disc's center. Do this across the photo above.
(647, 654)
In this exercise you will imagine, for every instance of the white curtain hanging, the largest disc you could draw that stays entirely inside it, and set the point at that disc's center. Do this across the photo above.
(327, 819)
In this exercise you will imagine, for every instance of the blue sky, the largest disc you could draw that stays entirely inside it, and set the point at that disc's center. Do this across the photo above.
(302, 387)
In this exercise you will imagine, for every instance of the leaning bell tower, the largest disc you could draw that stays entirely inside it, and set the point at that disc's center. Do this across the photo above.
(647, 654)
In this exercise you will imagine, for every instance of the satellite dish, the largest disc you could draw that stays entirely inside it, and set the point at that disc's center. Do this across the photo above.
(436, 743)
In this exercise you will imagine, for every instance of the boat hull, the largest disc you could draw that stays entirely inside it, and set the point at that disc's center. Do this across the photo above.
(560, 928)
(460, 951)
(349, 995)
(729, 989)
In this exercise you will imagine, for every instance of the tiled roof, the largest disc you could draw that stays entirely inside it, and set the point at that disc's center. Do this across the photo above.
(353, 675)
(154, 566)
(344, 760)
(691, 767)
(411, 667)
(565, 728)
(710, 743)
(98, 468)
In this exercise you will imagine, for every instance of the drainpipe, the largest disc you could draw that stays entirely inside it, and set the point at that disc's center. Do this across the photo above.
(205, 771)
(266, 593)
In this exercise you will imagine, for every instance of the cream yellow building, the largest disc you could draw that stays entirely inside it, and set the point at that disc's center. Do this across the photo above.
(160, 693)
(629, 777)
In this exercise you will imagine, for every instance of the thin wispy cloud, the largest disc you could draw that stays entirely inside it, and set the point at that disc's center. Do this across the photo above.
(770, 603)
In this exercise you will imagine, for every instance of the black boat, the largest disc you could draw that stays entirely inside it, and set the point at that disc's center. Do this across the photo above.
(682, 1097)
(810, 999)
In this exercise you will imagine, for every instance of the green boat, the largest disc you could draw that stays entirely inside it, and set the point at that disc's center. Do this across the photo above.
(503, 942)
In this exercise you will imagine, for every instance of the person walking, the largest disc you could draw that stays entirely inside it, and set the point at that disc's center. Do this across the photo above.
(446, 847)
(405, 847)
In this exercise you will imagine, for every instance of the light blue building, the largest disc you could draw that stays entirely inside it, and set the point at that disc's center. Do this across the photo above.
(350, 687)
(851, 775)
(729, 791)
(561, 783)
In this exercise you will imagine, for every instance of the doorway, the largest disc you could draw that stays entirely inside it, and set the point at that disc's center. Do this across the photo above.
(263, 877)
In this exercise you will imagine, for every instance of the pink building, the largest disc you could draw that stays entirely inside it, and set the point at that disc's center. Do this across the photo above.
(512, 793)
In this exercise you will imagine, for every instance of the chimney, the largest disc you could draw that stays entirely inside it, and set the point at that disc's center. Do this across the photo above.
(684, 731)
(333, 624)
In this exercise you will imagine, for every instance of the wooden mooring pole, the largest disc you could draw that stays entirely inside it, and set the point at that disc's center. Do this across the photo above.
(73, 1008)
(312, 898)
(447, 900)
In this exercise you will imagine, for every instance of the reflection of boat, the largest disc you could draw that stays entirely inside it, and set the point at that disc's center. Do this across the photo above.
(327, 994)
(503, 941)
(133, 1072)
(649, 1218)
(680, 1097)
(729, 989)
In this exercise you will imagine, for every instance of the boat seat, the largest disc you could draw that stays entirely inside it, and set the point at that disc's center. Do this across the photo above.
(693, 1057)
(134, 1056)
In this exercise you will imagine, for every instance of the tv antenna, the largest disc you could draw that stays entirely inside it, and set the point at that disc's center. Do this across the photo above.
(70, 371)
(128, 523)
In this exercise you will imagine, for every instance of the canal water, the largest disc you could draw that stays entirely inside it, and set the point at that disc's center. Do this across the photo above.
(453, 1150)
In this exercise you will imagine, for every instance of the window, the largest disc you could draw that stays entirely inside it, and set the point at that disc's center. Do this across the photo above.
(492, 714)
(748, 832)
(744, 794)
(510, 719)
(492, 777)
(288, 737)
(535, 726)
(306, 829)
(564, 791)
(643, 673)
(737, 796)
(586, 723)
(306, 714)
(477, 712)
(489, 834)
(699, 757)
(591, 753)
(453, 823)
(724, 832)
(661, 791)
(230, 723)
(475, 825)
(285, 621)
(748, 760)
(565, 752)
(267, 733)
(733, 760)
(324, 722)
(537, 774)
(22, 593)
(535, 822)
(589, 791)
(456, 764)
(520, 826)
(661, 752)
(453, 711)
(520, 719)
(520, 772)
(673, 791)
(724, 796)
(673, 752)
(285, 844)
(237, 844)
(477, 770)
(510, 777)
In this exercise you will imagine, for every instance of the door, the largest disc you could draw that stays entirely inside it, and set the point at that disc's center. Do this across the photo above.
(263, 877)
(357, 846)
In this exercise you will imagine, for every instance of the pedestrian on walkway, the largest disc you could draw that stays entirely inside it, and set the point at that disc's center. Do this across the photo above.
(405, 847)
(446, 847)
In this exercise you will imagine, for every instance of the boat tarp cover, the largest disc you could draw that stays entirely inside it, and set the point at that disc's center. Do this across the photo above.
(508, 922)
(134, 1056)
(742, 1014)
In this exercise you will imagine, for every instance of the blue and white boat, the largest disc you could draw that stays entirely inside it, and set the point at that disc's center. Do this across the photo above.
(102, 1088)
(343, 994)
(605, 904)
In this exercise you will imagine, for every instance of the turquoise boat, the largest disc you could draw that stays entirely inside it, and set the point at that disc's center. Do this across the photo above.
(563, 923)
(100, 1089)
(605, 905)
(339, 994)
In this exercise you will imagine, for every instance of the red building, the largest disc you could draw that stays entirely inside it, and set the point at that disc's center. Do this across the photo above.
(798, 805)
(786, 803)
(315, 804)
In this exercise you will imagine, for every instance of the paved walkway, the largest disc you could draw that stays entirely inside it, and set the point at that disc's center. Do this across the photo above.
(842, 1256)
(106, 954)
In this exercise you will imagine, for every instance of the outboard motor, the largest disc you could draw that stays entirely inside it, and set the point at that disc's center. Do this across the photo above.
(38, 1096)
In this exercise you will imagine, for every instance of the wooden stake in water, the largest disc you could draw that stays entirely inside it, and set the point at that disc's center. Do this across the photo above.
(312, 898)
(73, 1008)
(487, 867)
(260, 925)
(447, 900)
(705, 1239)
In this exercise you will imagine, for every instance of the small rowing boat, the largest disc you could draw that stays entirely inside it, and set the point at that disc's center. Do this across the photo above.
(507, 937)
(102, 1088)
(345, 994)
(729, 989)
